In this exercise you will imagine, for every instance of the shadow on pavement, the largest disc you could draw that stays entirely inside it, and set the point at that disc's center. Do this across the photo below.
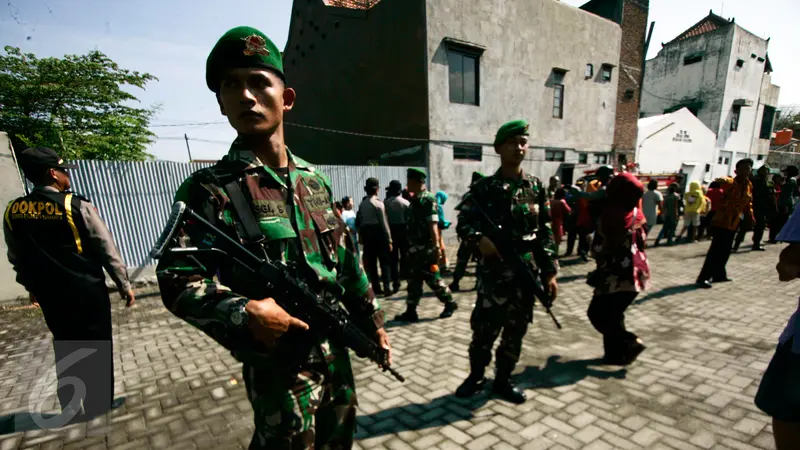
(417, 416)
(397, 323)
(556, 373)
(666, 292)
(573, 262)
(570, 278)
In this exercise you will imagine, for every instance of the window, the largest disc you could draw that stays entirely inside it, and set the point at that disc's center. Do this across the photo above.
(554, 155)
(583, 158)
(719, 161)
(760, 157)
(692, 58)
(601, 158)
(468, 152)
(606, 73)
(589, 71)
(629, 94)
(737, 111)
(558, 101)
(463, 68)
(727, 160)
(708, 167)
(767, 122)
(740, 63)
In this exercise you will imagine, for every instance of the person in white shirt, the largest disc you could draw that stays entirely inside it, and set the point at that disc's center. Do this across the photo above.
(651, 202)
(376, 237)
(349, 217)
(779, 393)
(396, 207)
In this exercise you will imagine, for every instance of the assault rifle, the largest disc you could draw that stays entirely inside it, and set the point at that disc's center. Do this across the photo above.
(324, 317)
(508, 251)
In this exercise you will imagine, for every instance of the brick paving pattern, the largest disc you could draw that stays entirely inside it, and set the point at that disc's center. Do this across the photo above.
(691, 389)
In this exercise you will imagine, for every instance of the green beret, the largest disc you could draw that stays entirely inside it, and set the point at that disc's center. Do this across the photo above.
(604, 170)
(416, 174)
(242, 47)
(511, 129)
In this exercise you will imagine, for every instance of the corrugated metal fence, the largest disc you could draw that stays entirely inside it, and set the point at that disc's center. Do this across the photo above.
(135, 198)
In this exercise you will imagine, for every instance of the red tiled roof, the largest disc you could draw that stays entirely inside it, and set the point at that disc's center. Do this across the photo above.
(352, 4)
(709, 23)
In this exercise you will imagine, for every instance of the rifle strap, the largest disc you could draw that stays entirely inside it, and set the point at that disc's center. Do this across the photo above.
(252, 232)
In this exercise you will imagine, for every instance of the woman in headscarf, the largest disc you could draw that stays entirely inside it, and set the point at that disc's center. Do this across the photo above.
(441, 198)
(622, 268)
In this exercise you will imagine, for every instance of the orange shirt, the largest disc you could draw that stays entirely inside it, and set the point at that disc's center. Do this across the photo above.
(737, 202)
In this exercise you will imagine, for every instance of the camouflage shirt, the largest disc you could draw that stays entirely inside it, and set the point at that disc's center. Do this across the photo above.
(518, 206)
(422, 211)
(299, 224)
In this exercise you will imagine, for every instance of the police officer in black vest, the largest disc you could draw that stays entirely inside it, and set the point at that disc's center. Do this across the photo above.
(59, 246)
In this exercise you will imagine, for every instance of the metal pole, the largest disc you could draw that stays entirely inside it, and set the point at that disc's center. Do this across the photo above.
(188, 150)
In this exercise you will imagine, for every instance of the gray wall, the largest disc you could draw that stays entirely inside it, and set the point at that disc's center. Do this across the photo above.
(365, 73)
(10, 188)
(524, 41)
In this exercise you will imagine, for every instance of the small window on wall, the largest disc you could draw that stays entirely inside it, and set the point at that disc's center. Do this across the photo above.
(468, 152)
(601, 158)
(760, 157)
(606, 73)
(554, 155)
(737, 111)
(464, 77)
(719, 161)
(767, 122)
(558, 101)
(583, 158)
(589, 71)
(727, 160)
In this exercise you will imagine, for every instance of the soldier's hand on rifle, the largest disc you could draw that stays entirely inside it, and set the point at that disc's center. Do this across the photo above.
(552, 286)
(268, 321)
(383, 340)
(487, 248)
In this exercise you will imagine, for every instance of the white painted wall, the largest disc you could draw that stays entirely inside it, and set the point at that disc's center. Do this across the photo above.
(674, 141)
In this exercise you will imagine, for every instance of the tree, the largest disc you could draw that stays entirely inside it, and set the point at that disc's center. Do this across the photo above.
(787, 117)
(78, 105)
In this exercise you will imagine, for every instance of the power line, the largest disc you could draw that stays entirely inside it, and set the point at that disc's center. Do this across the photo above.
(187, 124)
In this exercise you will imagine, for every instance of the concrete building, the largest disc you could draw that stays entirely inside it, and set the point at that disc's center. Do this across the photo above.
(721, 73)
(435, 79)
(674, 142)
(11, 187)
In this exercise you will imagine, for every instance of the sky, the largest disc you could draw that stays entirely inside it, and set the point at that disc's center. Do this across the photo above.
(171, 40)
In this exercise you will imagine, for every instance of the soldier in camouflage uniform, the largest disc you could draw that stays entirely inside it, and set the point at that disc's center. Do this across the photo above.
(466, 251)
(517, 202)
(422, 219)
(313, 405)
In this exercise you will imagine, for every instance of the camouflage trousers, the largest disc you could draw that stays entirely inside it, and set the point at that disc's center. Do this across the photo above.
(502, 309)
(423, 268)
(315, 410)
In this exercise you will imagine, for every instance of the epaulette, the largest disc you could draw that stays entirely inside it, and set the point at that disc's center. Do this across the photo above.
(80, 197)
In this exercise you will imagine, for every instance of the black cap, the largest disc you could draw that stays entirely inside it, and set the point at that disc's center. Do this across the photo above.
(371, 182)
(395, 186)
(41, 158)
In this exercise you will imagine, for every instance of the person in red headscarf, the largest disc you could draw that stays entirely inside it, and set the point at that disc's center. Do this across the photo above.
(622, 268)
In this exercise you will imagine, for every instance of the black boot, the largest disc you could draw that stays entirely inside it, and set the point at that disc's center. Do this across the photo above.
(449, 309)
(454, 286)
(474, 384)
(506, 389)
(409, 316)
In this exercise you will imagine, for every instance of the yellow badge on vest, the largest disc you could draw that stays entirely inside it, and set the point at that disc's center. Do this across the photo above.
(26, 210)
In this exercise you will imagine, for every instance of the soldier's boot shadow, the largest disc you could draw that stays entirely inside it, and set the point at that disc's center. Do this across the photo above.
(556, 373)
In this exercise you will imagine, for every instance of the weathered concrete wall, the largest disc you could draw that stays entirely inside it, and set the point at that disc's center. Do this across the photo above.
(10, 188)
(668, 82)
(770, 94)
(524, 41)
(742, 83)
(359, 71)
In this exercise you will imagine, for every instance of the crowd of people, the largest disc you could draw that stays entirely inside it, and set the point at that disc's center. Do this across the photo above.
(299, 381)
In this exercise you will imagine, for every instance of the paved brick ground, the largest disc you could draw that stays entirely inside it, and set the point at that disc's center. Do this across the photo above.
(692, 388)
